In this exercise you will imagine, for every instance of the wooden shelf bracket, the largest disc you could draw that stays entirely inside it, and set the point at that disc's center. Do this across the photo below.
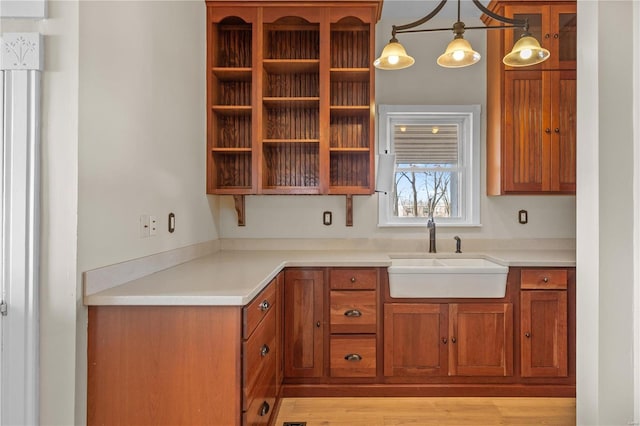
(238, 200)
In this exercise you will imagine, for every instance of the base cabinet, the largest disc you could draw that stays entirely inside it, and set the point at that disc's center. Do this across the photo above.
(330, 324)
(544, 323)
(184, 365)
(432, 339)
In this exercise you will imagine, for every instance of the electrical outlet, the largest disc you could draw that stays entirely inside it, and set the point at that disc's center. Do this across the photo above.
(523, 216)
(153, 226)
(326, 218)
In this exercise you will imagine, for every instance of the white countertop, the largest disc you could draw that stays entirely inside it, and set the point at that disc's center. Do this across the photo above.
(236, 277)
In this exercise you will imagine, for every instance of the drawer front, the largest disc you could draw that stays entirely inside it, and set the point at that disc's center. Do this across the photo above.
(253, 313)
(543, 279)
(259, 352)
(353, 311)
(353, 279)
(353, 356)
(260, 402)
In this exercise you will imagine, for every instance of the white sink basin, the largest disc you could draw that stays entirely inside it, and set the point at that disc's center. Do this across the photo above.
(446, 278)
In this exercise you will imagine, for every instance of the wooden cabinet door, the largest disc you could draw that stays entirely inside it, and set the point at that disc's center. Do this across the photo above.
(539, 152)
(554, 26)
(563, 127)
(543, 334)
(481, 336)
(415, 339)
(303, 322)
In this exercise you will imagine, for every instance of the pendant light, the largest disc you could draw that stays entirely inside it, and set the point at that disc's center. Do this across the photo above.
(459, 53)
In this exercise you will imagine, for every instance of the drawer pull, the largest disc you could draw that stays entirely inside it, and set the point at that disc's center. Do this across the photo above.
(353, 313)
(353, 357)
(264, 409)
(353, 279)
(264, 305)
(545, 279)
(264, 350)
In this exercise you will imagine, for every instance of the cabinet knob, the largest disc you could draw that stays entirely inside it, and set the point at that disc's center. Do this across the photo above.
(547, 130)
(547, 36)
(444, 340)
(264, 305)
(527, 335)
(353, 313)
(545, 279)
(353, 279)
(453, 340)
(318, 324)
(556, 35)
(353, 357)
(264, 350)
(264, 409)
(557, 130)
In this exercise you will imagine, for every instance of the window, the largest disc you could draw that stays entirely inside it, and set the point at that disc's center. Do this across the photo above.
(431, 165)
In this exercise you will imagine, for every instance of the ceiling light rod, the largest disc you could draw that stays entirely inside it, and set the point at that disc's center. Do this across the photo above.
(459, 53)
(406, 28)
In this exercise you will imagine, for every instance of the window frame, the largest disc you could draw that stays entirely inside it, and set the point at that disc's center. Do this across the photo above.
(469, 118)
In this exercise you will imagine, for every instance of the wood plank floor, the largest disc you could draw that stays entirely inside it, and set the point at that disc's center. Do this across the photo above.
(427, 411)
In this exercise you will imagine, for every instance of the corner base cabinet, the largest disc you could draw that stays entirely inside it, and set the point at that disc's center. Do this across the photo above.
(185, 365)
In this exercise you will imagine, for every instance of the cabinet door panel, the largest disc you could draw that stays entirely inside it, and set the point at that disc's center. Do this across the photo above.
(524, 136)
(303, 317)
(481, 338)
(544, 333)
(563, 86)
(415, 339)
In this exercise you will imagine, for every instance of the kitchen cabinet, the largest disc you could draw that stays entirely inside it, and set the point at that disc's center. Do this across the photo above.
(290, 89)
(330, 324)
(304, 323)
(531, 111)
(544, 323)
(439, 339)
(188, 365)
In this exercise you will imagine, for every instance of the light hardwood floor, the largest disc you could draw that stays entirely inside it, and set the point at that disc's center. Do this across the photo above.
(428, 411)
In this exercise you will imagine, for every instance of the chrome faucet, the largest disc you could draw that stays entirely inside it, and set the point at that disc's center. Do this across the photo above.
(431, 225)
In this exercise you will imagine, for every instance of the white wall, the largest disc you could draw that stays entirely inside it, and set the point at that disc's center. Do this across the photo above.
(605, 255)
(142, 128)
(424, 83)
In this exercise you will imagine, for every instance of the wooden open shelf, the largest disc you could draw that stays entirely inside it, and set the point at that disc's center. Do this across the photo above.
(290, 90)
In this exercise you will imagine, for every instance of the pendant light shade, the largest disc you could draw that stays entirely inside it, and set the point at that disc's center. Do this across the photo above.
(393, 57)
(459, 53)
(527, 51)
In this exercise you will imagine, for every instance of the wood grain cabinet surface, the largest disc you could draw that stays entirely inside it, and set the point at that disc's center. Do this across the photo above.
(187, 365)
(531, 111)
(290, 87)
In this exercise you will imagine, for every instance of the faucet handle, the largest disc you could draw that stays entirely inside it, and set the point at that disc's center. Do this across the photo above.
(458, 244)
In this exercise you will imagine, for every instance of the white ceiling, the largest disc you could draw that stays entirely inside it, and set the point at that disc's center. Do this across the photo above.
(415, 9)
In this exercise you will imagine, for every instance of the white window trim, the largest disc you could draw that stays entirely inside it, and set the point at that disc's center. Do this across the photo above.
(470, 115)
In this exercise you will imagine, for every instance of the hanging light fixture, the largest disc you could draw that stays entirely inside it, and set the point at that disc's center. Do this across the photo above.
(459, 53)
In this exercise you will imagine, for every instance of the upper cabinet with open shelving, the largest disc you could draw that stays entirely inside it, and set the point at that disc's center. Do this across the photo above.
(290, 97)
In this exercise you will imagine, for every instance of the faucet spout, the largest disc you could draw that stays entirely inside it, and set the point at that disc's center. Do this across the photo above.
(431, 225)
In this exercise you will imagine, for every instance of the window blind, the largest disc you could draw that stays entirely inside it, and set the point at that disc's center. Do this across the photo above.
(426, 144)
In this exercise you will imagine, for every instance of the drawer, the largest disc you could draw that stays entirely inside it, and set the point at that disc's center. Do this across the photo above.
(253, 313)
(259, 352)
(352, 356)
(353, 311)
(353, 279)
(543, 279)
(260, 402)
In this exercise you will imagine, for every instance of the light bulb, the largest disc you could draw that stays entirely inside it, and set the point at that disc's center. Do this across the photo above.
(393, 59)
(458, 55)
(526, 53)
